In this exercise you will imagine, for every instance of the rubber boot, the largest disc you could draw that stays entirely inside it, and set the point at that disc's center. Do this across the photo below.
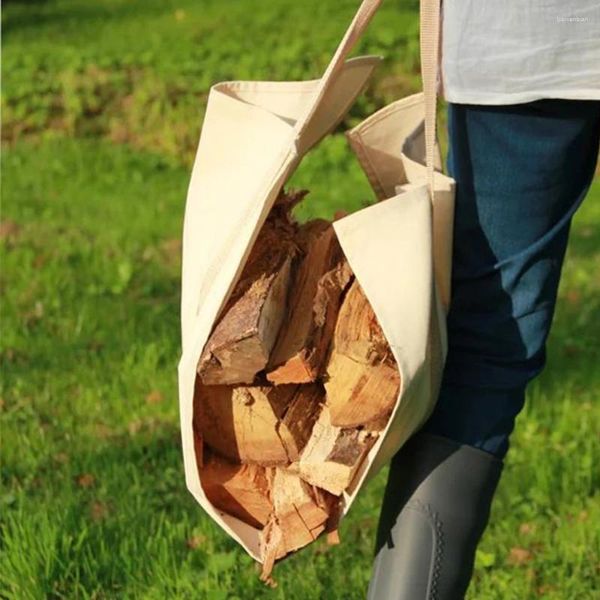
(435, 508)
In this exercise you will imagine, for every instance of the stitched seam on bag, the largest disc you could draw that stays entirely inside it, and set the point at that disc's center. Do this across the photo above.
(363, 158)
(438, 545)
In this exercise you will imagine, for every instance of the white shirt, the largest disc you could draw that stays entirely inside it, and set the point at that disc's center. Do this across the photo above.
(508, 52)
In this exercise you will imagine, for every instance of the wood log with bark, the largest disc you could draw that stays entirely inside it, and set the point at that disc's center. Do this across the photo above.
(241, 342)
(333, 456)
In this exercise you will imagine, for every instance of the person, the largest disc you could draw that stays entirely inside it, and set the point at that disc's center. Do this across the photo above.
(522, 82)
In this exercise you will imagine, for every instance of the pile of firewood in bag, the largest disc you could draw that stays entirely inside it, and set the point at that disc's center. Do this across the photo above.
(295, 383)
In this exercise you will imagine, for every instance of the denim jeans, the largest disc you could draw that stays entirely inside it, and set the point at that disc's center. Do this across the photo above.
(521, 172)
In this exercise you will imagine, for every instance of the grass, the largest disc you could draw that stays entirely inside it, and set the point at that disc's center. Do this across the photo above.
(93, 500)
(139, 71)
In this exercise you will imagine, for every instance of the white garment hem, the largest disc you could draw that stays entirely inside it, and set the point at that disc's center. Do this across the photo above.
(494, 98)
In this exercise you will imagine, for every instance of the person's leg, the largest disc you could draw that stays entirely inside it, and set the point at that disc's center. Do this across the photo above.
(521, 173)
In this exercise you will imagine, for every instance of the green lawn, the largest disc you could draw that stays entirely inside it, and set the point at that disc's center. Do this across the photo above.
(102, 105)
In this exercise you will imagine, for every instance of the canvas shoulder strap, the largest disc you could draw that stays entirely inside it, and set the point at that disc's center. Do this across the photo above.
(430, 34)
(430, 45)
(359, 23)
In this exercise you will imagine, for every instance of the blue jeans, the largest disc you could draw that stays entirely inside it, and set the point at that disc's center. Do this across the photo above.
(521, 172)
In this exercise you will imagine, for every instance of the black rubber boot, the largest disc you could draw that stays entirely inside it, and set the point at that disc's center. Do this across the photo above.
(435, 508)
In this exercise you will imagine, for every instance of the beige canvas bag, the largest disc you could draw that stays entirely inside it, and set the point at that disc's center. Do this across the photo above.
(253, 138)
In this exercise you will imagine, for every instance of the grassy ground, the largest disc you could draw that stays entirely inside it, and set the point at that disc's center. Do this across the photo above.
(102, 105)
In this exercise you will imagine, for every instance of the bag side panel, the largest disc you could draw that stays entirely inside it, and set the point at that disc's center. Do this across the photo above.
(443, 218)
(390, 146)
(240, 148)
(388, 246)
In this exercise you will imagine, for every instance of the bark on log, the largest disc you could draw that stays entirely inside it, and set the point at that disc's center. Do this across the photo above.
(319, 283)
(239, 490)
(243, 338)
(333, 455)
(362, 380)
(265, 425)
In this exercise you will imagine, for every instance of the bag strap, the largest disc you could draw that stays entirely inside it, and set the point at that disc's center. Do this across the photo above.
(430, 44)
(430, 36)
(359, 23)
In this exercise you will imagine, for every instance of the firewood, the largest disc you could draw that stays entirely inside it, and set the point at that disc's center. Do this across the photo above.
(241, 423)
(362, 380)
(333, 455)
(243, 338)
(239, 490)
(299, 419)
(315, 297)
(299, 515)
(280, 214)
(260, 424)
(377, 425)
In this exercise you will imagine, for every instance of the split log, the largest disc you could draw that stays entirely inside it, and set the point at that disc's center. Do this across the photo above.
(242, 423)
(239, 490)
(298, 421)
(333, 455)
(362, 380)
(241, 342)
(315, 298)
(265, 425)
(299, 516)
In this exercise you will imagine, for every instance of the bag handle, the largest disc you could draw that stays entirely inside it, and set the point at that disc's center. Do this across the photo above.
(359, 23)
(430, 36)
(430, 45)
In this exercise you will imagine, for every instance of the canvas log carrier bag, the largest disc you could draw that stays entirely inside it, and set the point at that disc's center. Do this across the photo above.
(253, 137)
